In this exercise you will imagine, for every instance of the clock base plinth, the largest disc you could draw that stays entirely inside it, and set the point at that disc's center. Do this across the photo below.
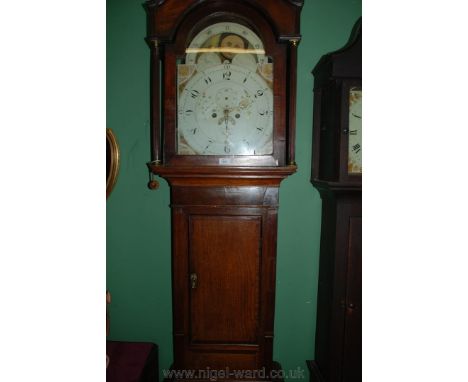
(221, 375)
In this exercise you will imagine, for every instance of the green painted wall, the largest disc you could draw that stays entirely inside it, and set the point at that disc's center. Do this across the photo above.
(138, 220)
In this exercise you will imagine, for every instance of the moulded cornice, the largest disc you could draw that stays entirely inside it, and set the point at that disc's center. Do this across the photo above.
(154, 2)
(298, 3)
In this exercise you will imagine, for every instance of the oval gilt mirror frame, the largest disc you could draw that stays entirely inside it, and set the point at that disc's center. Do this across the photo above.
(112, 161)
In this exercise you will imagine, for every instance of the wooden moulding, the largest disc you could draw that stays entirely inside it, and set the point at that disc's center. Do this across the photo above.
(223, 176)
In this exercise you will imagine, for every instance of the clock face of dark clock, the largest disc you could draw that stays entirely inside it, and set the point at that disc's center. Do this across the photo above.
(224, 94)
(355, 131)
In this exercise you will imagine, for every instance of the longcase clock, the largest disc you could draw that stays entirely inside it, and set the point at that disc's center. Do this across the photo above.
(337, 174)
(223, 133)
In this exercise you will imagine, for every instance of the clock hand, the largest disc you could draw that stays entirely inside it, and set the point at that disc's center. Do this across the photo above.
(226, 119)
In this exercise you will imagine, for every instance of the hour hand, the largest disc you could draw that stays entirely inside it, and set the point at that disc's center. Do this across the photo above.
(226, 118)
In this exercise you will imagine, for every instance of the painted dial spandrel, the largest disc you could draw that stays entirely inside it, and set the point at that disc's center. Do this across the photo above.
(355, 131)
(225, 97)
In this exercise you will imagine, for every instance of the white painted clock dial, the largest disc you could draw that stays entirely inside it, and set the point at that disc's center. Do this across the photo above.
(225, 98)
(225, 110)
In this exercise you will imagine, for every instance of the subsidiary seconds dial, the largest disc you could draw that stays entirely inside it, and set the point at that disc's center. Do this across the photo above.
(225, 110)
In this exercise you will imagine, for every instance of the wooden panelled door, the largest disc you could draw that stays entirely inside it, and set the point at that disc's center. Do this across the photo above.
(224, 298)
(352, 354)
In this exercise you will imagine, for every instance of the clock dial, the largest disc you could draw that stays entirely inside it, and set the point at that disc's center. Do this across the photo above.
(225, 110)
(355, 131)
(225, 97)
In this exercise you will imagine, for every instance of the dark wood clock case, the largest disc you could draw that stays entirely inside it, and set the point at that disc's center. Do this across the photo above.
(224, 218)
(338, 331)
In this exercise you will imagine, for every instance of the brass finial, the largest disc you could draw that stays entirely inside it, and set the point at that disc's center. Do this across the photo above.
(294, 42)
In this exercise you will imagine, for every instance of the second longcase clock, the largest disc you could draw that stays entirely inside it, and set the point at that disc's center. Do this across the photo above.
(337, 174)
(223, 134)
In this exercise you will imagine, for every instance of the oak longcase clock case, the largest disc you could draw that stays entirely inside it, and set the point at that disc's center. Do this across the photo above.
(337, 174)
(223, 96)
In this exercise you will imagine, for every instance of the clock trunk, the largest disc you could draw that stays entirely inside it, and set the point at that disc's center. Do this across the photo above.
(224, 265)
